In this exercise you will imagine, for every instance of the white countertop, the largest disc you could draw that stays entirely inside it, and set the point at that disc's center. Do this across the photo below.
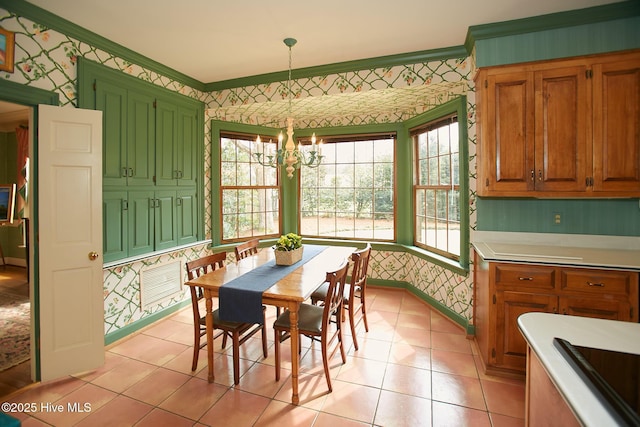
(618, 252)
(539, 329)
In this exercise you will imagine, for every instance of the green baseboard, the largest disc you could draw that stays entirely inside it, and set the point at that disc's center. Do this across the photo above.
(144, 322)
(443, 309)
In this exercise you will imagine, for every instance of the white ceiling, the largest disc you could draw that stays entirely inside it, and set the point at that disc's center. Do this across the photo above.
(216, 40)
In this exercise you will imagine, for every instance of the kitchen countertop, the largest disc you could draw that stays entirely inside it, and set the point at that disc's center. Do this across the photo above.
(616, 252)
(539, 329)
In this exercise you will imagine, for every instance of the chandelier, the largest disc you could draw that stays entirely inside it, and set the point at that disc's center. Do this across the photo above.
(290, 156)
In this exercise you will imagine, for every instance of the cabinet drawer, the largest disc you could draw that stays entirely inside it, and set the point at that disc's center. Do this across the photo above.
(603, 282)
(524, 276)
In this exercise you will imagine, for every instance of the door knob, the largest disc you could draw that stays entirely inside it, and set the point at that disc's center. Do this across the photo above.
(93, 256)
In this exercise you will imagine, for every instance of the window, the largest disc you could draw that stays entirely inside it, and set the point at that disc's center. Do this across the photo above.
(437, 189)
(249, 192)
(351, 194)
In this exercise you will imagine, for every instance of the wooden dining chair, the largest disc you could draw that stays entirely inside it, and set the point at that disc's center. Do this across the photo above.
(314, 321)
(354, 293)
(246, 249)
(237, 331)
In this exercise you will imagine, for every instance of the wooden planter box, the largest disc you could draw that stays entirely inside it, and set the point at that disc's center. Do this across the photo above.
(289, 257)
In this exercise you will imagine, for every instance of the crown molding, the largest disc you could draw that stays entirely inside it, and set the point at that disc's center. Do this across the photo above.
(591, 15)
(342, 67)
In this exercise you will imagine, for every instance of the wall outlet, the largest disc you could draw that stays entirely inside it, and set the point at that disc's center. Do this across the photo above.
(557, 218)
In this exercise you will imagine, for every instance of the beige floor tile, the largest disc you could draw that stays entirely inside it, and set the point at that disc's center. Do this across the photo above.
(414, 367)
(401, 410)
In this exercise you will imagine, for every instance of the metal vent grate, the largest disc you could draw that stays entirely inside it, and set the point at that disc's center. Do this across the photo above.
(160, 282)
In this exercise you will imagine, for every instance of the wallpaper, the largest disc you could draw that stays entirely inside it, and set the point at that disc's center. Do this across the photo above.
(47, 59)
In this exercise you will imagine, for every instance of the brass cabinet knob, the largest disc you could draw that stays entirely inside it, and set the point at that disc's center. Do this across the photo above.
(93, 256)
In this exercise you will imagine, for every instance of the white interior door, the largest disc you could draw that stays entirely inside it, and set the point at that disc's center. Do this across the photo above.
(70, 240)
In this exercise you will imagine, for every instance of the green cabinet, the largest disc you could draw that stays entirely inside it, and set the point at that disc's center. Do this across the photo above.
(153, 167)
(128, 153)
(140, 221)
(115, 230)
(187, 216)
(176, 128)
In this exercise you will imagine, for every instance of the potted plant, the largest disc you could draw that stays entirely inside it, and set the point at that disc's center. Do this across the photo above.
(288, 249)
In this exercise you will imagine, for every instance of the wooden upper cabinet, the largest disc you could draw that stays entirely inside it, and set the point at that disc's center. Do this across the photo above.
(564, 128)
(561, 127)
(616, 126)
(509, 151)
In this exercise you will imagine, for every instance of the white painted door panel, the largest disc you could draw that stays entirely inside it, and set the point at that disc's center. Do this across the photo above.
(70, 240)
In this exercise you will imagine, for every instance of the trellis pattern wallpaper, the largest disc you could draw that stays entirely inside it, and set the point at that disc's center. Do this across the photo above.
(47, 59)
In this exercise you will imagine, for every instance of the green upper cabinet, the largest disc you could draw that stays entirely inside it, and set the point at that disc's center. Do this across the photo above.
(177, 125)
(128, 132)
(186, 159)
(141, 139)
(111, 99)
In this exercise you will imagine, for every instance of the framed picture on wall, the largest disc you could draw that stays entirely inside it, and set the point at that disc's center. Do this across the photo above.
(7, 42)
(7, 202)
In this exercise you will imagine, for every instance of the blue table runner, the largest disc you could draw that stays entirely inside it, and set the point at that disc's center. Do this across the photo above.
(240, 300)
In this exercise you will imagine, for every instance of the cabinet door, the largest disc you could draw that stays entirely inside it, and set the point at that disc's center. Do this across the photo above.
(616, 126)
(165, 220)
(166, 140)
(562, 120)
(141, 222)
(511, 347)
(140, 139)
(186, 162)
(508, 140)
(112, 101)
(601, 307)
(187, 216)
(115, 225)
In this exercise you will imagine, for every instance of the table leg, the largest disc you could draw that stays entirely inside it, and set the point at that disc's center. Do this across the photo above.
(295, 356)
(209, 326)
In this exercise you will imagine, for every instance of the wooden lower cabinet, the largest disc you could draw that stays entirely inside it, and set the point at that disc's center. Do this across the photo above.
(504, 291)
(544, 404)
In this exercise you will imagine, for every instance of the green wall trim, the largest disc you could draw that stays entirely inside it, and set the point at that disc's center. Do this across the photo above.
(27, 95)
(551, 21)
(21, 94)
(458, 106)
(144, 322)
(55, 22)
(443, 309)
(342, 67)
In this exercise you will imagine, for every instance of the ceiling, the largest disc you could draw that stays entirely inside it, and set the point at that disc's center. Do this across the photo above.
(216, 40)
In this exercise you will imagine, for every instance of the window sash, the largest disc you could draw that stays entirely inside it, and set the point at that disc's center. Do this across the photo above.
(351, 195)
(437, 187)
(250, 199)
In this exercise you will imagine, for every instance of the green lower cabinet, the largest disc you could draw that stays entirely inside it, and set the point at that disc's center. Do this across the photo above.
(165, 220)
(142, 222)
(187, 216)
(115, 230)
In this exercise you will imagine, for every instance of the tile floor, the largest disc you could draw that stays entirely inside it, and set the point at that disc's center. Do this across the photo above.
(414, 368)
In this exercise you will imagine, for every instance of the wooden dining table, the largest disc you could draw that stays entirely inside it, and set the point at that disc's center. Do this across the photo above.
(288, 292)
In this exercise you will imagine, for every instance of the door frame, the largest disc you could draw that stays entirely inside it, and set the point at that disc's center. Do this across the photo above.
(31, 97)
